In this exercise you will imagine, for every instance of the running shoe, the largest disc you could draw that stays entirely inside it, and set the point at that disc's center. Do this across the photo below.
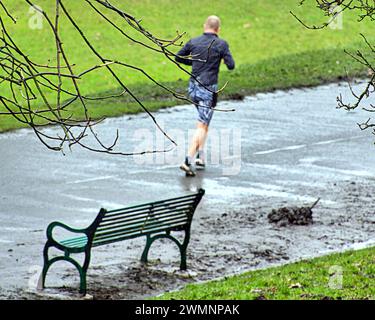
(188, 170)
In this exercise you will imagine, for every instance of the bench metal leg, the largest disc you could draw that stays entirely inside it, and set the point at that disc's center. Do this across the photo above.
(83, 283)
(146, 250)
(81, 269)
(42, 279)
(182, 247)
(183, 258)
(83, 273)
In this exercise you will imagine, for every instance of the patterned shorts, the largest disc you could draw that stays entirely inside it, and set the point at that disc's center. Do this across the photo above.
(204, 99)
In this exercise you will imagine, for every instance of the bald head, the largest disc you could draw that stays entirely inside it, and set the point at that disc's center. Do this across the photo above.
(212, 24)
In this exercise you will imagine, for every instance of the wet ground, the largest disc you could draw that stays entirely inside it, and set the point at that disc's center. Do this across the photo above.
(277, 150)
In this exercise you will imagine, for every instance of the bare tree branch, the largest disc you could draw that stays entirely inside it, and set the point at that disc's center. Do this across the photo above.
(31, 84)
(365, 9)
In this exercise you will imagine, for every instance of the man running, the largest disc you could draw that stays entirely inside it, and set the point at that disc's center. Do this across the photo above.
(204, 54)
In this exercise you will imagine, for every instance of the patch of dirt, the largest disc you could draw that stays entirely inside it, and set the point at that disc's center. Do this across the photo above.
(300, 216)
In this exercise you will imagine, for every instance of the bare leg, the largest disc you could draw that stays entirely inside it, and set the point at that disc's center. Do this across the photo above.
(199, 139)
(203, 139)
(196, 145)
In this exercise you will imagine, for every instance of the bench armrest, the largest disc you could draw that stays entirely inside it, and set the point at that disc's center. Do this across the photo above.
(61, 225)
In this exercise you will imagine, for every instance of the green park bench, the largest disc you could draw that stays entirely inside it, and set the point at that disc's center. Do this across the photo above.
(154, 220)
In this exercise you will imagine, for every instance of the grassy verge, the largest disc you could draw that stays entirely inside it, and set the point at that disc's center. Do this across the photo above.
(311, 279)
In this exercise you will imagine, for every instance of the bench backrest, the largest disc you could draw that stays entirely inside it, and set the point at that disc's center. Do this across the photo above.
(173, 214)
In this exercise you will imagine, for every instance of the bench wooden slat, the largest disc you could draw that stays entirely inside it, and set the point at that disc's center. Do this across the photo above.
(78, 243)
(156, 203)
(144, 214)
(140, 227)
(185, 211)
(72, 240)
(124, 211)
(130, 233)
(128, 237)
(146, 226)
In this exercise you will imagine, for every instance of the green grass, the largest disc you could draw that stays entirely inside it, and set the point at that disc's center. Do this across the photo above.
(272, 50)
(309, 279)
(314, 68)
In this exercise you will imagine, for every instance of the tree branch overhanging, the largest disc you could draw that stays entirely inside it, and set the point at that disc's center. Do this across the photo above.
(30, 84)
(364, 9)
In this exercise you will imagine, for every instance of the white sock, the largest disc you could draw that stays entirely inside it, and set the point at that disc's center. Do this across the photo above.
(201, 155)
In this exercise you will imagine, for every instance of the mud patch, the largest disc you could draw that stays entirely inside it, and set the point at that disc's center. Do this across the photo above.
(299, 216)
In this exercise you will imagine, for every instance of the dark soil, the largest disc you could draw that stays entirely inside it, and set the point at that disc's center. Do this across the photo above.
(300, 216)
